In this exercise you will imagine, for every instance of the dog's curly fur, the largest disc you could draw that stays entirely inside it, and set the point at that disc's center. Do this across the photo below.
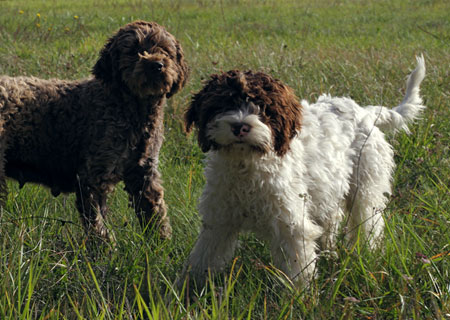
(85, 136)
(291, 172)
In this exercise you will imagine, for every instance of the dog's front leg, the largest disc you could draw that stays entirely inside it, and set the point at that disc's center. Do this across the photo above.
(293, 248)
(146, 194)
(212, 251)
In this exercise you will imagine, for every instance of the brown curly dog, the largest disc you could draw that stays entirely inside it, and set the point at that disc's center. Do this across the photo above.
(85, 136)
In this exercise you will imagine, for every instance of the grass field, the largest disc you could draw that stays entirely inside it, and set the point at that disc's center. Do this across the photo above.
(361, 49)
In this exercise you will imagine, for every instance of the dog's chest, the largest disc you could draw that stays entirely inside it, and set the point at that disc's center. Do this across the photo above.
(247, 193)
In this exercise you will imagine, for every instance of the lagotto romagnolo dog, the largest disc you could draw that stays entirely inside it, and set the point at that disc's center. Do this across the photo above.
(85, 136)
(291, 172)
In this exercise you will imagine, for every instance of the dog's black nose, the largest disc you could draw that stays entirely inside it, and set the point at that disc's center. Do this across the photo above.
(155, 65)
(240, 129)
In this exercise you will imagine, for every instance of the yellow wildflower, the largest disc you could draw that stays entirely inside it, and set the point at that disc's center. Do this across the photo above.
(21, 11)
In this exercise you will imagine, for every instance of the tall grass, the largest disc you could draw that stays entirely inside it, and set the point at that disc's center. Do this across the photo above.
(361, 49)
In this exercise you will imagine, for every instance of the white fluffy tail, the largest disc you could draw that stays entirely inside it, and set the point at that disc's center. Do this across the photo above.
(409, 109)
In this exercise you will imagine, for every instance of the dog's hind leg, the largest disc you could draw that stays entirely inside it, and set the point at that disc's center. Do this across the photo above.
(144, 186)
(370, 188)
(91, 204)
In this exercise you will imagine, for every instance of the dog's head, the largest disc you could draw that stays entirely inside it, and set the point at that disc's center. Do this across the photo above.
(144, 57)
(245, 112)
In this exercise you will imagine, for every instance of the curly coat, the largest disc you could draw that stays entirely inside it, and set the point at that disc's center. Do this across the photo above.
(294, 187)
(85, 136)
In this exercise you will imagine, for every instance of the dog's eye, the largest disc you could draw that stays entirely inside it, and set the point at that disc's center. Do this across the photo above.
(166, 49)
(136, 48)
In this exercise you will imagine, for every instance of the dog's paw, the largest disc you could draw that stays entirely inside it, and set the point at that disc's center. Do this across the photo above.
(165, 229)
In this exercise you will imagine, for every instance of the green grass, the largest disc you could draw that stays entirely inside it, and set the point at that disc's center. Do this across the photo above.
(361, 49)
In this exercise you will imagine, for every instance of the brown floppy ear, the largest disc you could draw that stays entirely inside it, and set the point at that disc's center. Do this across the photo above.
(192, 119)
(106, 68)
(103, 69)
(285, 116)
(183, 72)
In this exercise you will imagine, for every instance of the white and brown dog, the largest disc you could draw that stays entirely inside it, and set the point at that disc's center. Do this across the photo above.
(291, 172)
